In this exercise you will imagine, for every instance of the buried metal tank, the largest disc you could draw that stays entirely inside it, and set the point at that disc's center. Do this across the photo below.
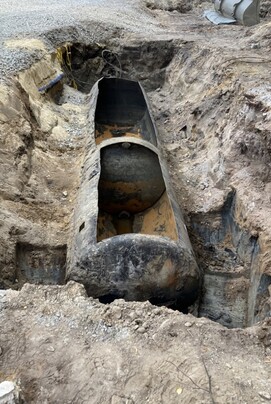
(128, 236)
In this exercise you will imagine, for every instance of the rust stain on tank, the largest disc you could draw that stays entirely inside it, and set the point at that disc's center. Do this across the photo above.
(105, 132)
(133, 241)
(129, 196)
(158, 221)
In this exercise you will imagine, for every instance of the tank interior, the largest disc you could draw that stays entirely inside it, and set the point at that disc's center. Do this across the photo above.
(132, 192)
(122, 111)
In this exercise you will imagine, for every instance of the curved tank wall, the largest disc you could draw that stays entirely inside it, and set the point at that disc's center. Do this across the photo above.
(128, 237)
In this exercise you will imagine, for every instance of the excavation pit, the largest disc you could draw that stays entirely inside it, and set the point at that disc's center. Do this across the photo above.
(236, 285)
(84, 64)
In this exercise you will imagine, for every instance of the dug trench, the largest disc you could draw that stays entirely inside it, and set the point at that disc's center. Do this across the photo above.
(214, 134)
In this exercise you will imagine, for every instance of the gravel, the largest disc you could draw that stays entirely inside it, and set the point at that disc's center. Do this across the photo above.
(87, 18)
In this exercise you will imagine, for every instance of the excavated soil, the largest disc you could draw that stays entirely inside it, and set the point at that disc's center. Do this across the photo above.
(67, 348)
(210, 93)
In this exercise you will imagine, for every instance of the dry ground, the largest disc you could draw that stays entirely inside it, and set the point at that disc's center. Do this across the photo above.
(210, 92)
(67, 348)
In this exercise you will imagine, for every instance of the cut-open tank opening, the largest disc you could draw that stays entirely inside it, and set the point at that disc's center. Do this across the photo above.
(132, 194)
(122, 111)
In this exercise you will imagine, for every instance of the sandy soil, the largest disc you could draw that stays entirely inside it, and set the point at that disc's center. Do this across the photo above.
(67, 348)
(210, 96)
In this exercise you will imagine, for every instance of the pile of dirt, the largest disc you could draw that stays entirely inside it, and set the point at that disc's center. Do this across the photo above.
(67, 348)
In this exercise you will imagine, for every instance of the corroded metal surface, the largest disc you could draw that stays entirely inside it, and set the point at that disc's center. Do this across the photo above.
(128, 237)
(131, 178)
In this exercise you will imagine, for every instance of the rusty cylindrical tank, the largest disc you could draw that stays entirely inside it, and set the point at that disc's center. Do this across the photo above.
(128, 237)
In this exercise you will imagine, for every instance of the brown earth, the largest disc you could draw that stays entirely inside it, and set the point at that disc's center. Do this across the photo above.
(210, 92)
(67, 348)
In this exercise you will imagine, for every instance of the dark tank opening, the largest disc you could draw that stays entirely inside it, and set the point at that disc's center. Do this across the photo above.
(119, 101)
(122, 111)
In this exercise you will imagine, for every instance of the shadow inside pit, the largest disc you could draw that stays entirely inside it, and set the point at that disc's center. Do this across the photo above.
(176, 305)
(40, 264)
(84, 64)
(235, 292)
